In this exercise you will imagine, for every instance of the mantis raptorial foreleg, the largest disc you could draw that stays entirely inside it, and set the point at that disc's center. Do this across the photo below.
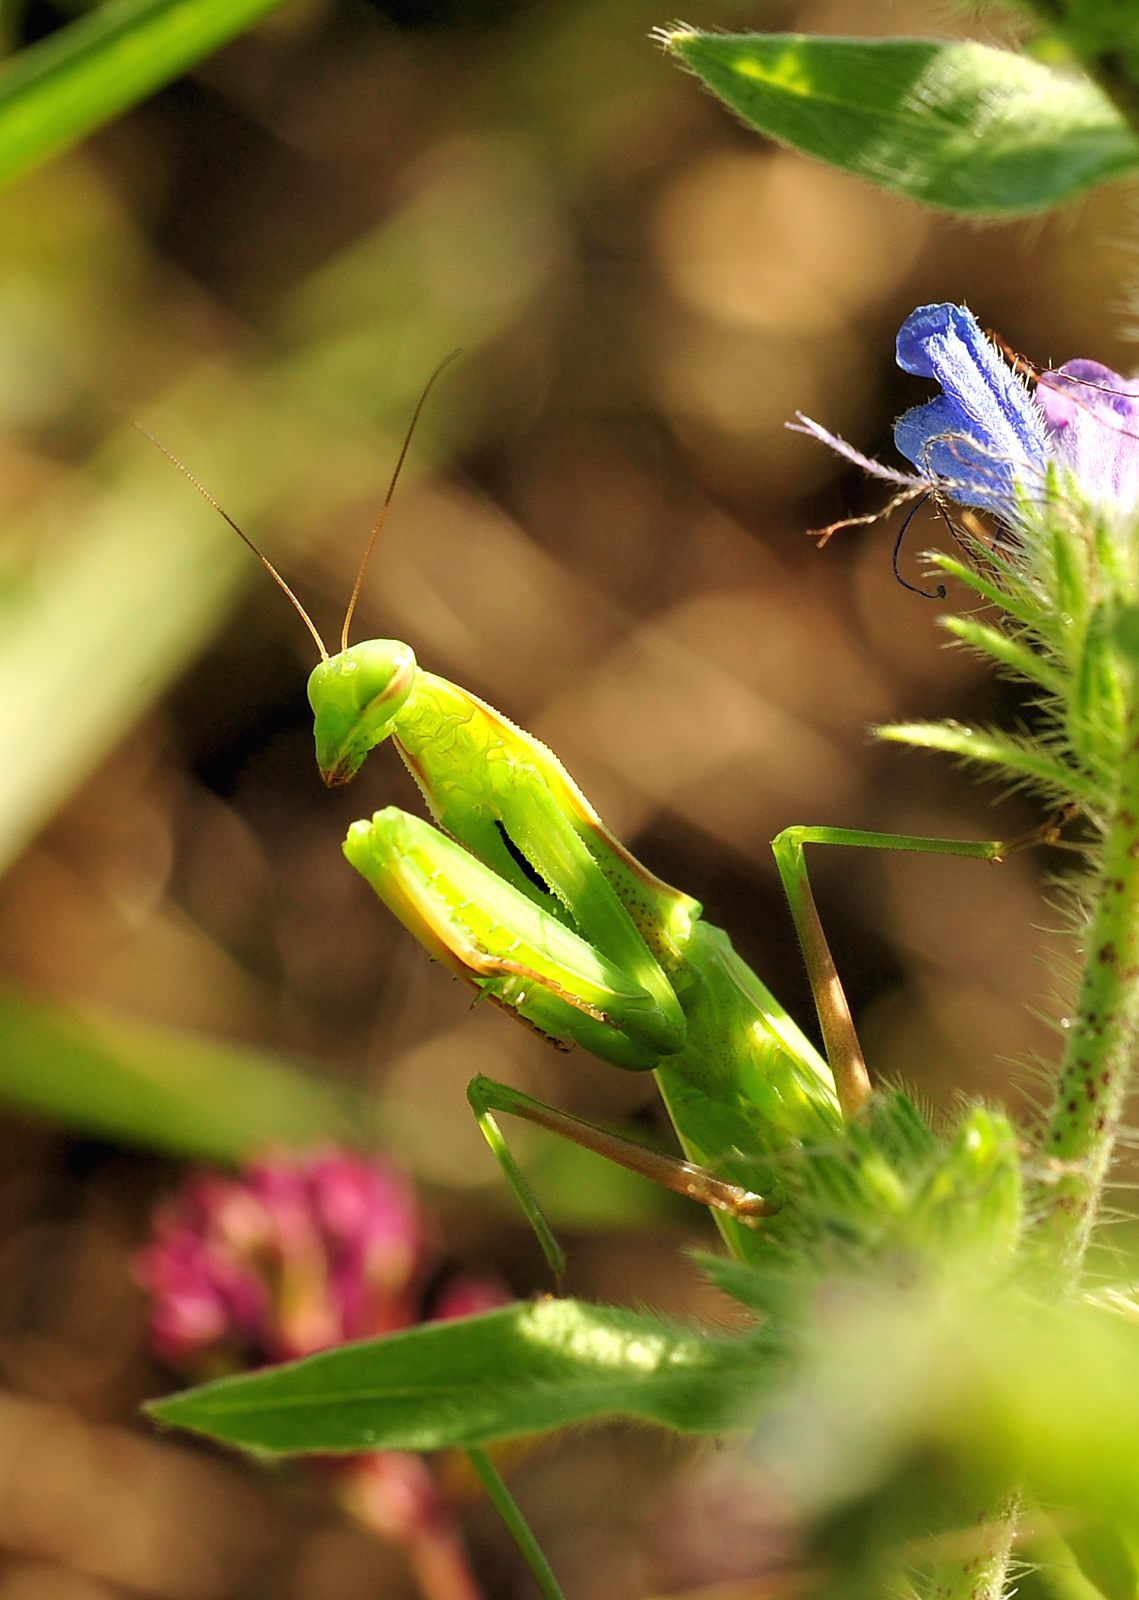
(732, 1200)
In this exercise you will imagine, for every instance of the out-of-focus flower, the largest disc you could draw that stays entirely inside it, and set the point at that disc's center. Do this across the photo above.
(988, 440)
(466, 1297)
(293, 1255)
(297, 1253)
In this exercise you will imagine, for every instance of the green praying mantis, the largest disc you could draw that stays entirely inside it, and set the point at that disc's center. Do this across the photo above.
(518, 887)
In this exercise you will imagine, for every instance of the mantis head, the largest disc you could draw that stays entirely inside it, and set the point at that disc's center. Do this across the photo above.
(355, 697)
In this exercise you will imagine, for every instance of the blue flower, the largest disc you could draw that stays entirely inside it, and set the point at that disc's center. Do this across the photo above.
(984, 435)
(987, 440)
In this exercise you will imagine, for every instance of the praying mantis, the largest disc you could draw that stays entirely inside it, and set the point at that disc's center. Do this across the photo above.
(519, 889)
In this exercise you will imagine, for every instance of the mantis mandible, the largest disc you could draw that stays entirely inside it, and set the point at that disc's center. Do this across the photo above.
(518, 887)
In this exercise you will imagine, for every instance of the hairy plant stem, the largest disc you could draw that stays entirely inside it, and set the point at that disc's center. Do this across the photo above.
(983, 1575)
(1080, 1132)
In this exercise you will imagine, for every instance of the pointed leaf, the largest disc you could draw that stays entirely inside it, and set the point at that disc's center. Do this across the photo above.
(953, 124)
(526, 1369)
(1006, 650)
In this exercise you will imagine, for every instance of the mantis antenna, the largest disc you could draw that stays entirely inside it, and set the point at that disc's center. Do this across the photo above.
(242, 535)
(264, 559)
(379, 522)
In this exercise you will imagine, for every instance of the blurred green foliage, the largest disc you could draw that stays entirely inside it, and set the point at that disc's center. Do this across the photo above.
(190, 1096)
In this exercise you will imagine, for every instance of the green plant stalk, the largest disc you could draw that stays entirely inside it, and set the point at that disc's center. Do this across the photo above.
(56, 92)
(507, 1507)
(1079, 1134)
(1081, 1128)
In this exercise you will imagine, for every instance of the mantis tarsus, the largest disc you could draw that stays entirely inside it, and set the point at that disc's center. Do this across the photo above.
(522, 891)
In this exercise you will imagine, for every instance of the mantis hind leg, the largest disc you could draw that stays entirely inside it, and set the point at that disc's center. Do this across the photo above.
(844, 1053)
(682, 1177)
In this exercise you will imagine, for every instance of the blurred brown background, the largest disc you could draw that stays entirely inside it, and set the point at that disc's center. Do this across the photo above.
(602, 531)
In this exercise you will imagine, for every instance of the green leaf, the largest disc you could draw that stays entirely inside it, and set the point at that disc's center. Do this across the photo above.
(1006, 650)
(999, 593)
(526, 1369)
(954, 125)
(54, 93)
(1022, 758)
(165, 1090)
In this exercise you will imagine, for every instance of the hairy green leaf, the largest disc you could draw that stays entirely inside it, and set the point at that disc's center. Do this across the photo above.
(526, 1369)
(1021, 758)
(953, 124)
(1001, 594)
(1006, 650)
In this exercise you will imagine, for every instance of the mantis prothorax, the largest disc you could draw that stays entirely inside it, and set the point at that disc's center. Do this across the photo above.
(521, 890)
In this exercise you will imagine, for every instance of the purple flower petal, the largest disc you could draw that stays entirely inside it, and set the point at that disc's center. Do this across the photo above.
(1093, 429)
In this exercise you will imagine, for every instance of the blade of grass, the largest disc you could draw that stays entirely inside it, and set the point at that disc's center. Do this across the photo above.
(98, 628)
(56, 92)
(162, 1089)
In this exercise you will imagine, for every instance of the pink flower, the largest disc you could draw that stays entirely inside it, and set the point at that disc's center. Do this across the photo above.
(467, 1297)
(296, 1253)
